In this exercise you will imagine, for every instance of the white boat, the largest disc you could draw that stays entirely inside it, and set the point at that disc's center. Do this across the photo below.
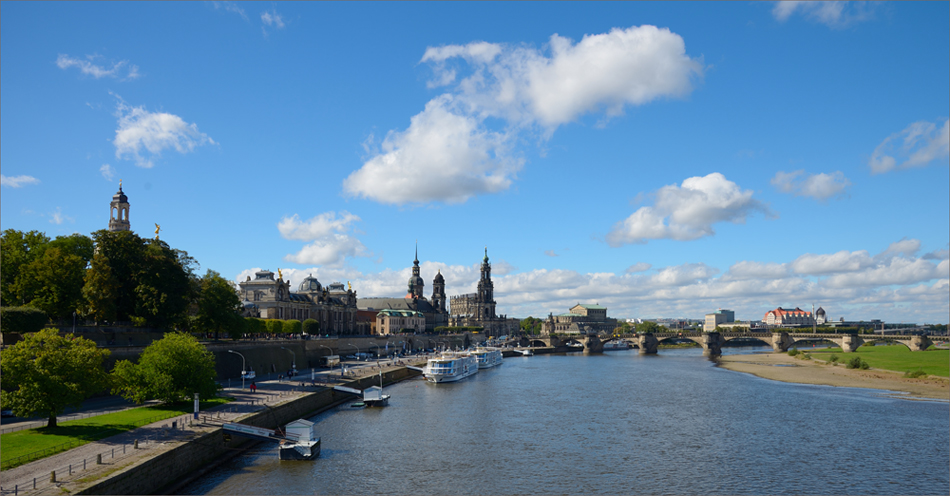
(619, 344)
(450, 367)
(488, 357)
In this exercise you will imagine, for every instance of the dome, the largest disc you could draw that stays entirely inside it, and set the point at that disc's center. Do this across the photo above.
(120, 197)
(439, 278)
(309, 285)
(820, 311)
(415, 281)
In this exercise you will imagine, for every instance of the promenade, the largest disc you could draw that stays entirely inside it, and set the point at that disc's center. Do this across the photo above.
(80, 466)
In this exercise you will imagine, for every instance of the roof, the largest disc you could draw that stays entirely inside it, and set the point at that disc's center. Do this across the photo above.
(591, 307)
(420, 304)
(787, 311)
(400, 313)
(570, 315)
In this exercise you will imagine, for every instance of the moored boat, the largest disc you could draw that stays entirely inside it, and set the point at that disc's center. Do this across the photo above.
(488, 357)
(619, 344)
(450, 367)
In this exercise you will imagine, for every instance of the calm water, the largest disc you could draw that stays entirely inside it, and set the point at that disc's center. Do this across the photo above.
(618, 423)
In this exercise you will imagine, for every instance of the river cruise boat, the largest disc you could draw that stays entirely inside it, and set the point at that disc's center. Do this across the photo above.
(488, 357)
(619, 344)
(450, 367)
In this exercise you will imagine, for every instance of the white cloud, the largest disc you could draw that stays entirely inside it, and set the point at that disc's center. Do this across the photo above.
(687, 212)
(107, 172)
(842, 261)
(443, 156)
(450, 152)
(230, 7)
(550, 253)
(638, 267)
(834, 14)
(893, 288)
(331, 241)
(57, 217)
(121, 69)
(17, 181)
(818, 186)
(937, 255)
(906, 247)
(140, 129)
(922, 144)
(271, 20)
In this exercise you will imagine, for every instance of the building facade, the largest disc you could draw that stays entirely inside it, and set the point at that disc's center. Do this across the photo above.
(717, 318)
(580, 319)
(334, 306)
(788, 317)
(478, 309)
(390, 321)
(433, 310)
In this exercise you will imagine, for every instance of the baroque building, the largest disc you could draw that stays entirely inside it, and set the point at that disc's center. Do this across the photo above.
(580, 319)
(415, 301)
(119, 211)
(478, 309)
(788, 317)
(333, 306)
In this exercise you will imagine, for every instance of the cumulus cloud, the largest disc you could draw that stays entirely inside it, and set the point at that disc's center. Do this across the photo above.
(451, 151)
(330, 237)
(688, 212)
(118, 70)
(550, 253)
(142, 135)
(833, 14)
(107, 172)
(818, 186)
(937, 255)
(638, 267)
(920, 144)
(895, 287)
(842, 261)
(17, 181)
(443, 156)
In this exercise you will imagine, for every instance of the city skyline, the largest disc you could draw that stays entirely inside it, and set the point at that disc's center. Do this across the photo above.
(661, 160)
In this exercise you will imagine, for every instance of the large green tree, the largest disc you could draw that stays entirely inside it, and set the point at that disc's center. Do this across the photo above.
(53, 282)
(218, 304)
(17, 249)
(171, 369)
(45, 372)
(651, 327)
(163, 290)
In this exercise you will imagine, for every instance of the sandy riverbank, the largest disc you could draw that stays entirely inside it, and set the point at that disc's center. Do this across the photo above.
(781, 367)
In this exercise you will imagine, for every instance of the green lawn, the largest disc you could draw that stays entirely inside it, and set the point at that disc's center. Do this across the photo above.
(68, 435)
(893, 357)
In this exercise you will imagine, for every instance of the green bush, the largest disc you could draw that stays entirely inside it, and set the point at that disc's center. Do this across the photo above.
(311, 326)
(857, 363)
(915, 374)
(793, 352)
(833, 358)
(274, 326)
(291, 327)
(22, 319)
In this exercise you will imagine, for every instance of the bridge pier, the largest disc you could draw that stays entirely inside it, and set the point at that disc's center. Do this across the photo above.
(850, 343)
(919, 343)
(648, 343)
(593, 344)
(781, 342)
(712, 344)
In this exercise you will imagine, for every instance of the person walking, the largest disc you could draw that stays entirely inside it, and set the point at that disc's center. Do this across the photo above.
(253, 387)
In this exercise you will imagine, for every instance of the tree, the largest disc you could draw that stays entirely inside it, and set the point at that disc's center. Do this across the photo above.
(53, 282)
(531, 325)
(256, 326)
(101, 290)
(170, 369)
(218, 304)
(650, 327)
(291, 326)
(45, 372)
(17, 249)
(623, 328)
(311, 326)
(115, 265)
(274, 326)
(22, 319)
(163, 289)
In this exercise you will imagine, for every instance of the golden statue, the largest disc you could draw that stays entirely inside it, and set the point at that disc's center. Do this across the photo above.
(279, 274)
(157, 228)
(348, 286)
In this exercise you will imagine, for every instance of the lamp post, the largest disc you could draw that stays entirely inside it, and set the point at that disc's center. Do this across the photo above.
(243, 369)
(377, 350)
(295, 357)
(330, 352)
(357, 353)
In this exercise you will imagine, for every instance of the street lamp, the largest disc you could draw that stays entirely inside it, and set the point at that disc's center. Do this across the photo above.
(295, 357)
(243, 369)
(330, 352)
(357, 356)
(377, 350)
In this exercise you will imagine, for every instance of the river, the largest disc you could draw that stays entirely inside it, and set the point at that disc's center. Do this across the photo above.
(617, 423)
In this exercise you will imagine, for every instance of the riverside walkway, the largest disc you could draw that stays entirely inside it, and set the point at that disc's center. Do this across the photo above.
(81, 465)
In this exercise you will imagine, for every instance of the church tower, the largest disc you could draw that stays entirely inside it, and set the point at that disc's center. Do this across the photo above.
(486, 292)
(416, 284)
(438, 292)
(119, 212)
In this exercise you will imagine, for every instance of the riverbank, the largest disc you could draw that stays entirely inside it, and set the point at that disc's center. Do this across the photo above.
(784, 368)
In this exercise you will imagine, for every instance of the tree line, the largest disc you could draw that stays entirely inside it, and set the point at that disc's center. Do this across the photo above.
(111, 277)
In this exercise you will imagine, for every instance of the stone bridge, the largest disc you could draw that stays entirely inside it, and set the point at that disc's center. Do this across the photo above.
(712, 342)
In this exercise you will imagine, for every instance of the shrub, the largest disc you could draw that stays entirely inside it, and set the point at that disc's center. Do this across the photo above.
(857, 363)
(806, 356)
(793, 352)
(21, 319)
(311, 326)
(291, 327)
(833, 358)
(915, 374)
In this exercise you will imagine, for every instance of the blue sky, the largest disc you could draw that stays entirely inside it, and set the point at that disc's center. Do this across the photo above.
(661, 159)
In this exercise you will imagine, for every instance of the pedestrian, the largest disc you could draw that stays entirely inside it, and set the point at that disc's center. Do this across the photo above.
(253, 387)
(280, 377)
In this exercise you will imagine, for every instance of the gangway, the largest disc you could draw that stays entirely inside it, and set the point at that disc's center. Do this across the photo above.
(258, 432)
(298, 441)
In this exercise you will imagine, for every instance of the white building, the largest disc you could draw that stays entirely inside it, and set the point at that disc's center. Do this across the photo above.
(717, 318)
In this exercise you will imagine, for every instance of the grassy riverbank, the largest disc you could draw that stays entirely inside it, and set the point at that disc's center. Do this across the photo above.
(894, 357)
(46, 441)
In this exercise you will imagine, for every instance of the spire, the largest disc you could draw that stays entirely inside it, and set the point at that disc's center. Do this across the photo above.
(486, 255)
(416, 261)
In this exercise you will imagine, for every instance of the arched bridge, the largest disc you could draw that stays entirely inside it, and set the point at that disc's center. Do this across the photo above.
(712, 341)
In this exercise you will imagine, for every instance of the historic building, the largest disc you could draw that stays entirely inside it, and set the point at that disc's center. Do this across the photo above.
(580, 319)
(432, 310)
(478, 309)
(788, 318)
(333, 306)
(119, 212)
(390, 321)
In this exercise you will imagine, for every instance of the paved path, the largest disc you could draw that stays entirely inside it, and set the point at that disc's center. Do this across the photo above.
(118, 451)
